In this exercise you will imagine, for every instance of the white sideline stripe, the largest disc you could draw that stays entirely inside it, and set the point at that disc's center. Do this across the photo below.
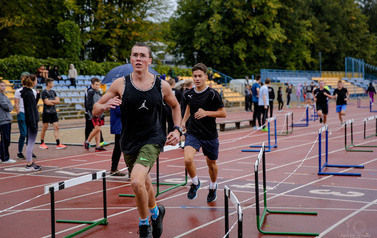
(171, 147)
(233, 169)
(74, 181)
(347, 217)
(175, 166)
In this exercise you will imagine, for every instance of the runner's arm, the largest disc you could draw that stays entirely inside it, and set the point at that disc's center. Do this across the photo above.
(171, 100)
(110, 99)
(185, 117)
(17, 105)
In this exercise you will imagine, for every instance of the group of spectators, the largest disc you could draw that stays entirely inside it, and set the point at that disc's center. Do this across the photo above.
(52, 72)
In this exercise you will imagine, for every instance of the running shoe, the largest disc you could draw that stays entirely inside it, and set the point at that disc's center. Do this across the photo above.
(193, 192)
(117, 173)
(86, 146)
(212, 195)
(265, 129)
(145, 231)
(20, 156)
(157, 224)
(34, 156)
(320, 120)
(9, 161)
(43, 146)
(99, 149)
(32, 167)
(61, 146)
(103, 143)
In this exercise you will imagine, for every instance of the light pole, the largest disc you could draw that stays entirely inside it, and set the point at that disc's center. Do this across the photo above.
(320, 63)
(195, 55)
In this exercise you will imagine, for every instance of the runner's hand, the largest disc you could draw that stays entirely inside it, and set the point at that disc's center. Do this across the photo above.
(172, 138)
(113, 102)
(200, 114)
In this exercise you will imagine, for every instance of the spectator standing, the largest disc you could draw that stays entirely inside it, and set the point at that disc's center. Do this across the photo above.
(5, 124)
(255, 94)
(371, 91)
(309, 93)
(289, 92)
(280, 99)
(116, 129)
(247, 98)
(72, 74)
(298, 94)
(93, 96)
(31, 118)
(263, 102)
(271, 98)
(49, 115)
(172, 73)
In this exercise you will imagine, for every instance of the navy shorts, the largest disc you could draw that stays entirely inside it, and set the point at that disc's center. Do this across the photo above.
(323, 107)
(210, 147)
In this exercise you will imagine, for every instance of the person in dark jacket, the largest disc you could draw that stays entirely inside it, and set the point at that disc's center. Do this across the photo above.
(93, 96)
(116, 129)
(271, 98)
(31, 119)
(371, 91)
(280, 99)
(5, 124)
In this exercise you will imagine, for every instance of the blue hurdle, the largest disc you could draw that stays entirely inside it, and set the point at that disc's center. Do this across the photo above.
(306, 119)
(370, 106)
(326, 164)
(269, 146)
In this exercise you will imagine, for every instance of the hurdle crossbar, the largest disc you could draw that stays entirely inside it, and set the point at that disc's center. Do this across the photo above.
(326, 164)
(348, 147)
(269, 146)
(371, 106)
(73, 182)
(229, 195)
(314, 116)
(306, 119)
(287, 125)
(359, 103)
(261, 160)
(365, 127)
(158, 183)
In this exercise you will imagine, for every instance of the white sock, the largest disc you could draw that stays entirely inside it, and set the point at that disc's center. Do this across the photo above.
(195, 180)
(212, 185)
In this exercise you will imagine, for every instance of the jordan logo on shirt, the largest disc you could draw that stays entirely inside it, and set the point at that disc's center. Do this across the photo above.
(143, 105)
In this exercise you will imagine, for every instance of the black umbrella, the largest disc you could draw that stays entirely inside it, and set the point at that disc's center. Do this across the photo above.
(121, 71)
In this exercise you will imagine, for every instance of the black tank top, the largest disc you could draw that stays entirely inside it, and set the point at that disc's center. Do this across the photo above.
(141, 116)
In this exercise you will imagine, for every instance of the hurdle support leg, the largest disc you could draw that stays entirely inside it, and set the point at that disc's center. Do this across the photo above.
(261, 218)
(157, 183)
(102, 221)
(230, 195)
(306, 119)
(326, 164)
(370, 106)
(269, 146)
(348, 147)
(287, 131)
(365, 127)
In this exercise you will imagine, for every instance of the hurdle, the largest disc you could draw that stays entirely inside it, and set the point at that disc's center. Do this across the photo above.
(314, 115)
(326, 164)
(306, 119)
(230, 195)
(359, 103)
(261, 160)
(158, 183)
(269, 146)
(365, 127)
(70, 183)
(286, 122)
(370, 106)
(348, 147)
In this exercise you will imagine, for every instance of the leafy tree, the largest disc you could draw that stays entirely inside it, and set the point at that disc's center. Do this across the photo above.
(72, 41)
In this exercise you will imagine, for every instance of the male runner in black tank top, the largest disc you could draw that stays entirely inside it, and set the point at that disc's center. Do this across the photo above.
(204, 105)
(140, 97)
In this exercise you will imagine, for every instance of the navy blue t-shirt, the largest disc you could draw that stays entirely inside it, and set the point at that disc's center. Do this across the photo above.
(255, 92)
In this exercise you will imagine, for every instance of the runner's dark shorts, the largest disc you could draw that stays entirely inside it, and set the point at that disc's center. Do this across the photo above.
(323, 107)
(147, 156)
(98, 121)
(210, 147)
(50, 117)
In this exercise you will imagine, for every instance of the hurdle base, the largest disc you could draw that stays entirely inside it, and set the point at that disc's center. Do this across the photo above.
(174, 185)
(258, 146)
(261, 222)
(300, 125)
(348, 148)
(93, 224)
(283, 133)
(339, 174)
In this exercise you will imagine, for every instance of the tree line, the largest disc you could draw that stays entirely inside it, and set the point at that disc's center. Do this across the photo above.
(237, 37)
